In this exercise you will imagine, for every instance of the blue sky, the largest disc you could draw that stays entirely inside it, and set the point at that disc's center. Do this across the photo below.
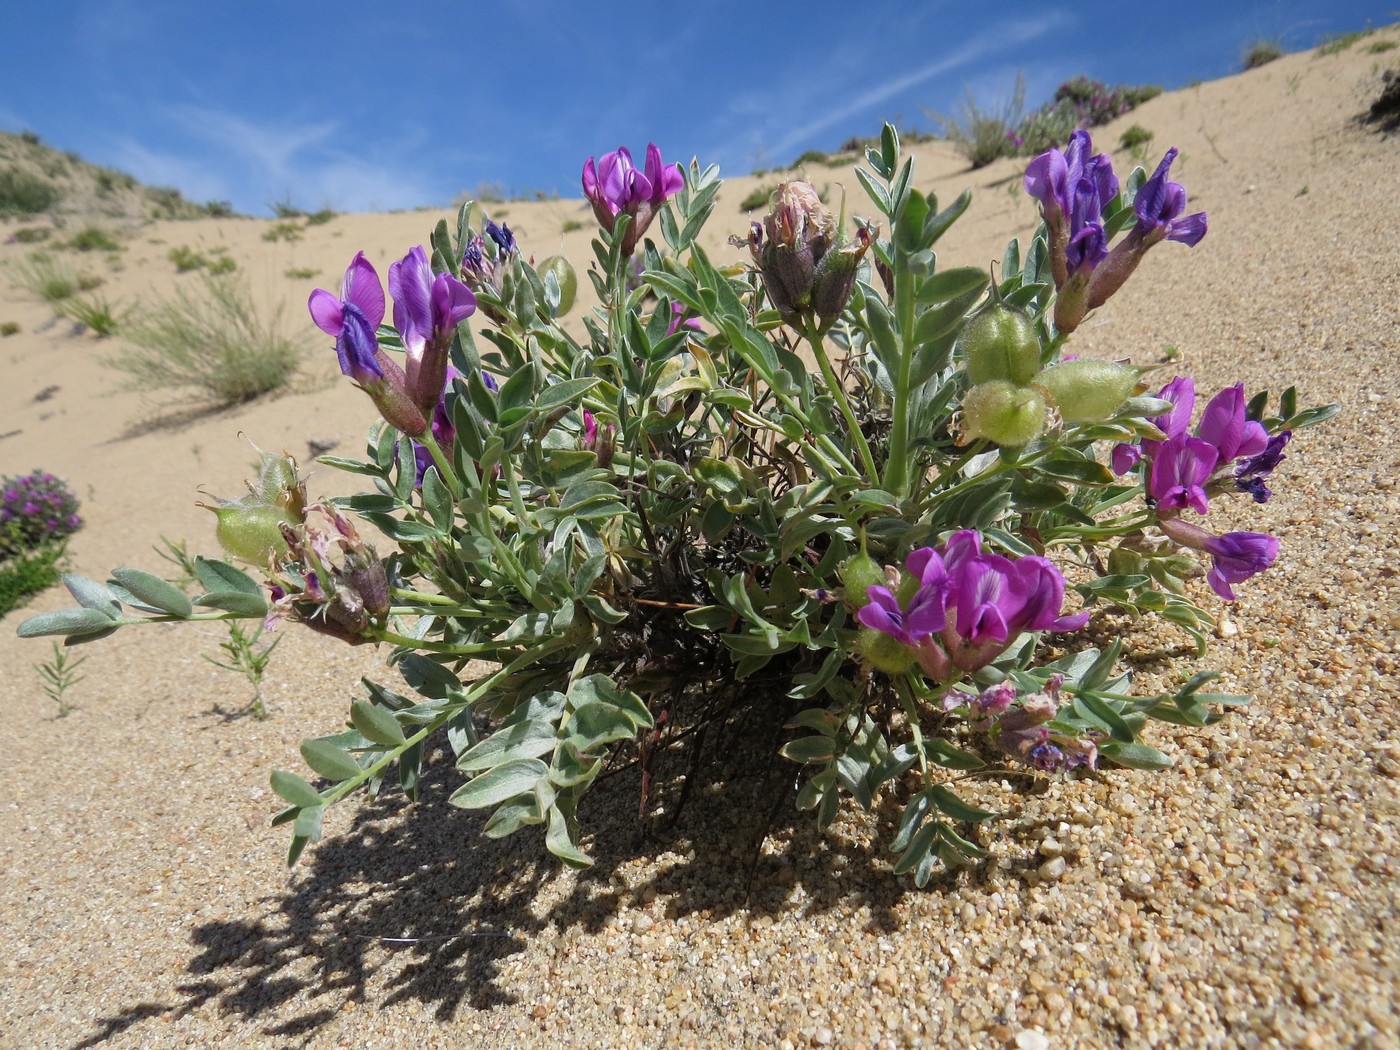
(370, 106)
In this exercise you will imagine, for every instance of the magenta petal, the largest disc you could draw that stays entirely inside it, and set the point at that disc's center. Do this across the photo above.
(453, 302)
(590, 179)
(1046, 180)
(1222, 423)
(409, 282)
(326, 311)
(361, 287)
(926, 565)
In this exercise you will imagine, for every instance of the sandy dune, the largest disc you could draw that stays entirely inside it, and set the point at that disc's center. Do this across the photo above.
(1245, 898)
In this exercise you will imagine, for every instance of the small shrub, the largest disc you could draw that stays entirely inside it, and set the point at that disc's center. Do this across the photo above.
(106, 183)
(1382, 46)
(983, 136)
(320, 218)
(223, 264)
(167, 200)
(1135, 137)
(186, 259)
(9, 328)
(36, 510)
(24, 193)
(812, 156)
(302, 273)
(570, 225)
(213, 345)
(31, 137)
(219, 209)
(757, 198)
(94, 239)
(1261, 53)
(1336, 43)
(27, 574)
(31, 234)
(285, 209)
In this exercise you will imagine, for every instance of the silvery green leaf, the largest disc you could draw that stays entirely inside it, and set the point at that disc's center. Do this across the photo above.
(66, 622)
(330, 761)
(217, 576)
(154, 591)
(376, 724)
(93, 595)
(500, 783)
(294, 789)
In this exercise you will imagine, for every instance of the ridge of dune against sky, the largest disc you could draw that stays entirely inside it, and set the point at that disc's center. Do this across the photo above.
(366, 106)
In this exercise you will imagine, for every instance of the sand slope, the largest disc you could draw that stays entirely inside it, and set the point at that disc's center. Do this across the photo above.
(1245, 898)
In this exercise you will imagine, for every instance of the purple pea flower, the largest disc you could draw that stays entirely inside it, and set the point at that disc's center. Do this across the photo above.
(615, 186)
(925, 613)
(1235, 556)
(505, 240)
(1250, 475)
(427, 310)
(1179, 471)
(1072, 188)
(992, 599)
(1225, 426)
(352, 319)
(1159, 205)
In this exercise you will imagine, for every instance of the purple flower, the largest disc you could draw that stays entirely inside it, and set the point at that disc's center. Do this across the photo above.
(925, 613)
(1237, 556)
(427, 310)
(505, 240)
(992, 599)
(1159, 205)
(1073, 188)
(1250, 475)
(352, 319)
(1179, 471)
(615, 186)
(1225, 426)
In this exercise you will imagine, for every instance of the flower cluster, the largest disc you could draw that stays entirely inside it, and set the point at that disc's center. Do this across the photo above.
(1021, 731)
(1074, 187)
(1228, 451)
(615, 186)
(967, 605)
(35, 509)
(427, 310)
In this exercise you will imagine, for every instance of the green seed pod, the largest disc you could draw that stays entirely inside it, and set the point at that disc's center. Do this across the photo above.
(251, 532)
(568, 281)
(278, 484)
(858, 575)
(1000, 342)
(882, 652)
(1086, 390)
(1002, 413)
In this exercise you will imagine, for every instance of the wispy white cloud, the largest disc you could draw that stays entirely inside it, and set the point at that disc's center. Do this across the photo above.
(988, 42)
(309, 163)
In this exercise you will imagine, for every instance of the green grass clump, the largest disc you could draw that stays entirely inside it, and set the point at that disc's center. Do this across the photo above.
(93, 312)
(9, 328)
(283, 231)
(302, 273)
(24, 193)
(1135, 137)
(210, 346)
(223, 264)
(31, 234)
(94, 239)
(570, 225)
(1336, 43)
(320, 218)
(1261, 53)
(43, 276)
(1382, 46)
(985, 135)
(186, 259)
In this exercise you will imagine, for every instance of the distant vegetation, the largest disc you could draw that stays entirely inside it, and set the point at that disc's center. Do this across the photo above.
(36, 179)
(1261, 53)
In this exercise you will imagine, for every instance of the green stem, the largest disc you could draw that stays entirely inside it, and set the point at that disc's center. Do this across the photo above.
(897, 471)
(839, 393)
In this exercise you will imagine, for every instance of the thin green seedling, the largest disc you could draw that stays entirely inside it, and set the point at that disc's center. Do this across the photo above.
(244, 656)
(59, 674)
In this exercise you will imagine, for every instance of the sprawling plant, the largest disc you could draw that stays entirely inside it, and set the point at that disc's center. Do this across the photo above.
(878, 481)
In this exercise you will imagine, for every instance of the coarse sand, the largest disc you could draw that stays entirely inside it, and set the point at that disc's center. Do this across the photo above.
(1246, 897)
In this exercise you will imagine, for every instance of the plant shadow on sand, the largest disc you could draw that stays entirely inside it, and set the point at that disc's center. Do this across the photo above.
(423, 880)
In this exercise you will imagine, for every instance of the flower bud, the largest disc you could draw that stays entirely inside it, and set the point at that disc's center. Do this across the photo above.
(1000, 342)
(859, 573)
(1002, 413)
(882, 652)
(364, 576)
(1086, 390)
